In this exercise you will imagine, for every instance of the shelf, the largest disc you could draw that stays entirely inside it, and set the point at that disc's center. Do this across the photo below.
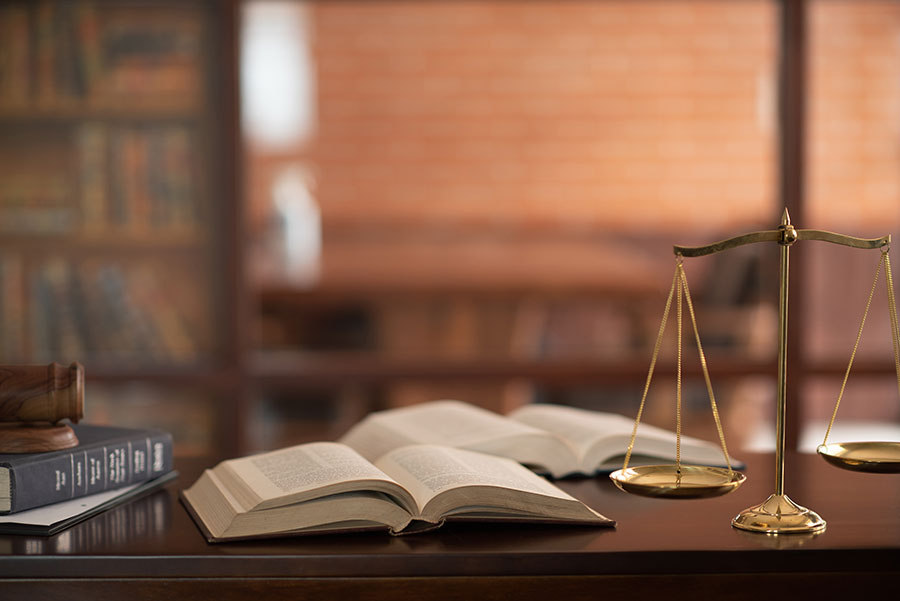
(194, 374)
(403, 265)
(298, 370)
(110, 241)
(146, 109)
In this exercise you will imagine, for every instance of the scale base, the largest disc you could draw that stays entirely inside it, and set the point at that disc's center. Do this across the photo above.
(779, 515)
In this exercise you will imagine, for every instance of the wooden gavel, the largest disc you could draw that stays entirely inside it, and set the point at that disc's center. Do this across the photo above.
(33, 400)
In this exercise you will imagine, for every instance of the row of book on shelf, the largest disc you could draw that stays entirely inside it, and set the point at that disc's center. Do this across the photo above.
(137, 177)
(105, 311)
(403, 470)
(62, 52)
(131, 178)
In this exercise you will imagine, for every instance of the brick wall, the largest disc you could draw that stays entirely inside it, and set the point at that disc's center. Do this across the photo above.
(853, 153)
(605, 114)
(575, 114)
(854, 124)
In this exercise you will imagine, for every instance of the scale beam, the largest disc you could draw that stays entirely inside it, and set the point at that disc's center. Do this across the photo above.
(844, 240)
(782, 236)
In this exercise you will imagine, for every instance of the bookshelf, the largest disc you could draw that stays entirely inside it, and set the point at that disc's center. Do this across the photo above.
(117, 243)
(400, 319)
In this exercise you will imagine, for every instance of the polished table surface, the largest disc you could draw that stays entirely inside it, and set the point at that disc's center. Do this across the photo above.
(150, 548)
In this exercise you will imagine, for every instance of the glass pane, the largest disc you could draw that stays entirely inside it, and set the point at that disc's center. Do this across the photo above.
(278, 419)
(190, 414)
(853, 187)
(854, 94)
(501, 182)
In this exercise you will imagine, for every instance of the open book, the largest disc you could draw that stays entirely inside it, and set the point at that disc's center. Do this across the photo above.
(550, 439)
(326, 486)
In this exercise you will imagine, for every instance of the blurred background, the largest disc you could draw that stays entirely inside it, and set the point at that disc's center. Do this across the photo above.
(254, 222)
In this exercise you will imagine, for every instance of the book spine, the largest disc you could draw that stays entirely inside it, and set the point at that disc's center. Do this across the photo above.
(90, 469)
(92, 143)
(15, 55)
(88, 35)
(12, 308)
(45, 84)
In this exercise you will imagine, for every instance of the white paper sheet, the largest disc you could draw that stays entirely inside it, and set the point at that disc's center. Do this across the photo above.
(51, 514)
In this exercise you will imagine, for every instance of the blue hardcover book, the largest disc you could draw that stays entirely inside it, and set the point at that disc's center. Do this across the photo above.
(107, 457)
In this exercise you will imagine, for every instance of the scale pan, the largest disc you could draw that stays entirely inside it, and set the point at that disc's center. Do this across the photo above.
(694, 482)
(875, 456)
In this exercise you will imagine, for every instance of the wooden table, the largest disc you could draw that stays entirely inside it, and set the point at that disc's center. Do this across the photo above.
(150, 549)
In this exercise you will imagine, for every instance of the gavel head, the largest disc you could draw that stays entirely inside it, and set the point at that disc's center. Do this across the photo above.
(38, 394)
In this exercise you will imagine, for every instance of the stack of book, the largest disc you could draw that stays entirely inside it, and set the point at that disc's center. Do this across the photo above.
(43, 493)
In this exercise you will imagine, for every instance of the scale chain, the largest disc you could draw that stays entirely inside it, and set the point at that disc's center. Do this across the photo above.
(884, 262)
(679, 270)
(680, 286)
(705, 368)
(659, 338)
(892, 307)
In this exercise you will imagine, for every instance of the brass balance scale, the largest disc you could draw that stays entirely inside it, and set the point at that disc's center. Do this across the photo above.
(778, 514)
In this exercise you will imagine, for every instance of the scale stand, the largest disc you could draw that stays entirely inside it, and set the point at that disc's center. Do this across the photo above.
(779, 514)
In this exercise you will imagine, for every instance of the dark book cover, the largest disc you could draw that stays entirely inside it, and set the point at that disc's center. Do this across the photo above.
(106, 457)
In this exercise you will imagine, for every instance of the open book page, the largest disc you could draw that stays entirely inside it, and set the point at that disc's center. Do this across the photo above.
(304, 472)
(446, 482)
(600, 437)
(460, 425)
(580, 428)
(222, 518)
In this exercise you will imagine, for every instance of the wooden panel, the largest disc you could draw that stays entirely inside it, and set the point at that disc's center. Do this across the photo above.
(155, 537)
(686, 588)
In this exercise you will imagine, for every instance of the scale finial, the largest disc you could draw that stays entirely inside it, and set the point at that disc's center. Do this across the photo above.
(786, 217)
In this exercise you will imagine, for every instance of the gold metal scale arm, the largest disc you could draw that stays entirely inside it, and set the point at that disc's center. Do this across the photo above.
(678, 481)
(778, 514)
(785, 235)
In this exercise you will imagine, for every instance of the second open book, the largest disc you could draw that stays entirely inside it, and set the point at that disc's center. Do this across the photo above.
(551, 439)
